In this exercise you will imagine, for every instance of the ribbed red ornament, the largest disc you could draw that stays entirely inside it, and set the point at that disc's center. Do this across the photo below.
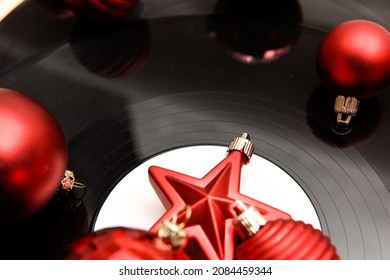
(121, 244)
(101, 9)
(354, 59)
(33, 156)
(287, 240)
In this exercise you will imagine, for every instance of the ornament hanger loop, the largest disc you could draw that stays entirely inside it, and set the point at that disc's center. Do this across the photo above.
(187, 209)
(172, 233)
(69, 181)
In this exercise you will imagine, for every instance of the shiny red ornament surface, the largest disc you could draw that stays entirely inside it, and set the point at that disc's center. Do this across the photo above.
(287, 240)
(33, 156)
(211, 223)
(101, 9)
(354, 59)
(120, 244)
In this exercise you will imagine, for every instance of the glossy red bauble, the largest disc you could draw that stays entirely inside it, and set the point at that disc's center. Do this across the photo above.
(287, 240)
(120, 244)
(101, 9)
(354, 59)
(33, 156)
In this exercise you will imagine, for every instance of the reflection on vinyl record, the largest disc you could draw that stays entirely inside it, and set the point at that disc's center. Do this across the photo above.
(322, 119)
(125, 94)
(112, 50)
(47, 234)
(56, 8)
(255, 31)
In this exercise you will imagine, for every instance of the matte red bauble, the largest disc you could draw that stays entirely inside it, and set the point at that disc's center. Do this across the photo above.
(354, 59)
(287, 240)
(101, 9)
(120, 244)
(33, 156)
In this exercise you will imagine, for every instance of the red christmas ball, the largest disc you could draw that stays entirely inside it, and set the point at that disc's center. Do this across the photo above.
(101, 9)
(287, 240)
(120, 244)
(33, 156)
(354, 59)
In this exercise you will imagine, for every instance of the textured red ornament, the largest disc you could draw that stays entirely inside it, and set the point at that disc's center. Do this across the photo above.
(354, 59)
(287, 240)
(33, 155)
(120, 244)
(211, 224)
(101, 9)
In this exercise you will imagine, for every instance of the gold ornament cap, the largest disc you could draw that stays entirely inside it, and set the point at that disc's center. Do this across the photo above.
(171, 232)
(247, 220)
(244, 144)
(69, 181)
(345, 107)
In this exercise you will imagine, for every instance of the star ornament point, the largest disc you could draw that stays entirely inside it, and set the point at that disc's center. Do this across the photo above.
(211, 225)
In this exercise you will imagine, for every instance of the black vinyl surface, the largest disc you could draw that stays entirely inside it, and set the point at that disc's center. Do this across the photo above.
(174, 74)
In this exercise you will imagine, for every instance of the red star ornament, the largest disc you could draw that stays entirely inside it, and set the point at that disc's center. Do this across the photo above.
(210, 198)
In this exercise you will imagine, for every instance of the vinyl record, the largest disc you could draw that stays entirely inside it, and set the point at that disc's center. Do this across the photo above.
(187, 73)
